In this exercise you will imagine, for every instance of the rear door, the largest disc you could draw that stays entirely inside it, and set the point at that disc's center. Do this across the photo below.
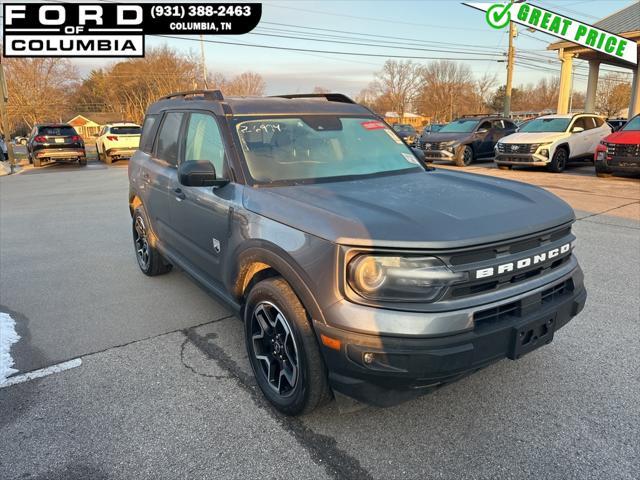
(201, 214)
(158, 175)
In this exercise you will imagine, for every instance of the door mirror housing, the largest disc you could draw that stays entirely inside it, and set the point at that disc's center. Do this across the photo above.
(577, 130)
(199, 173)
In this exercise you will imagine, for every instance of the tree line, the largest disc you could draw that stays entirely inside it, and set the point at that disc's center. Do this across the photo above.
(52, 89)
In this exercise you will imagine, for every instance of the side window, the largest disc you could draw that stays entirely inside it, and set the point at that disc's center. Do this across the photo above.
(591, 123)
(509, 125)
(167, 145)
(485, 125)
(148, 133)
(204, 141)
(599, 121)
(497, 125)
(579, 122)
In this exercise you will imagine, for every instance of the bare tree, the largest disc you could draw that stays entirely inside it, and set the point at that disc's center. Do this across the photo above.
(39, 89)
(614, 92)
(247, 83)
(448, 89)
(400, 83)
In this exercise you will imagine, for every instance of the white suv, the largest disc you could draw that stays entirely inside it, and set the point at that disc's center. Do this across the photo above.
(552, 140)
(117, 141)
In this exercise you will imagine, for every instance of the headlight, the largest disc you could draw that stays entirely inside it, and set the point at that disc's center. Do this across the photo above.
(400, 279)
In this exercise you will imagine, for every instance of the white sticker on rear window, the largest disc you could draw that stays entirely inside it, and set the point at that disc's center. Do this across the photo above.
(410, 158)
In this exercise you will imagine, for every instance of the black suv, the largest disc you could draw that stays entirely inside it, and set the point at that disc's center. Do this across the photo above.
(466, 139)
(54, 141)
(354, 267)
(406, 132)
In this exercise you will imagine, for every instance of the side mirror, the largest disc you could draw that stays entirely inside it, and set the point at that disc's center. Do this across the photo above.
(420, 154)
(199, 173)
(577, 130)
(482, 130)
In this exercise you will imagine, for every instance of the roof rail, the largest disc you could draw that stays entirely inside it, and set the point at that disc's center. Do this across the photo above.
(208, 95)
(481, 115)
(330, 97)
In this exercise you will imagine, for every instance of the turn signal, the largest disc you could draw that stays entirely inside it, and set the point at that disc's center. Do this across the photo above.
(332, 343)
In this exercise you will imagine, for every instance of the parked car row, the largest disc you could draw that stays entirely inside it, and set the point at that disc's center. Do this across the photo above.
(550, 141)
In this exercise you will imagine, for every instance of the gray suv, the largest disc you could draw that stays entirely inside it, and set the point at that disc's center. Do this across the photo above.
(355, 268)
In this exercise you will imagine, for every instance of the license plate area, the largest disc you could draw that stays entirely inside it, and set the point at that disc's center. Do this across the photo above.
(59, 140)
(529, 336)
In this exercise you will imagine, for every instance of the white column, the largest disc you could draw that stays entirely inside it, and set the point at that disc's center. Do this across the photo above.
(592, 86)
(634, 106)
(566, 74)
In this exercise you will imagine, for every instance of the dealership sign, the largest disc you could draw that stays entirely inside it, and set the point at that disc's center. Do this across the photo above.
(112, 29)
(499, 15)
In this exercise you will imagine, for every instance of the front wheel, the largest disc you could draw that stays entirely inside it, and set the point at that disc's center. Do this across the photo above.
(464, 156)
(559, 161)
(603, 171)
(149, 258)
(505, 167)
(283, 350)
(82, 161)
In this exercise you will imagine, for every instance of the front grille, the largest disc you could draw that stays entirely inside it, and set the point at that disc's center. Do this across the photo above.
(511, 310)
(435, 145)
(621, 150)
(517, 147)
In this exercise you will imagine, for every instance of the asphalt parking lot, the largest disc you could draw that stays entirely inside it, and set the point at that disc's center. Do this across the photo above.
(164, 389)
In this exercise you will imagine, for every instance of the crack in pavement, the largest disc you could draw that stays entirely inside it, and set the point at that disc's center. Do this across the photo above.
(322, 449)
(186, 365)
(606, 211)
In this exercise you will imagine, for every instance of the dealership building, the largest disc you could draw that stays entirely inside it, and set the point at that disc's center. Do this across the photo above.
(625, 23)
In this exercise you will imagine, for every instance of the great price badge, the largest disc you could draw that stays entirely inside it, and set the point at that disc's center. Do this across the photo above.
(499, 15)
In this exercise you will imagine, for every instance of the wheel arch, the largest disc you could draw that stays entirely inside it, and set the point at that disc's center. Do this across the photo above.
(565, 146)
(261, 260)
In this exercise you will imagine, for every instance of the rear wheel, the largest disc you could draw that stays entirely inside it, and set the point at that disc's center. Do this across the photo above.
(559, 161)
(283, 349)
(505, 167)
(37, 162)
(149, 259)
(107, 158)
(464, 156)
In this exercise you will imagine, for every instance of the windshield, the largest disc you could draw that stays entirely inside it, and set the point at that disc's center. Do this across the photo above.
(546, 125)
(459, 126)
(310, 148)
(63, 131)
(125, 130)
(403, 128)
(633, 125)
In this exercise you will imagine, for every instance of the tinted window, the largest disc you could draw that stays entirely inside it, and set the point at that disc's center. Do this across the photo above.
(546, 125)
(126, 130)
(66, 131)
(204, 141)
(148, 132)
(460, 126)
(599, 121)
(167, 143)
(581, 122)
(485, 125)
(497, 124)
(509, 125)
(633, 125)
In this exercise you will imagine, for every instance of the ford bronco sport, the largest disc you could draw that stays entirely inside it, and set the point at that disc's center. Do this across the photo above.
(355, 268)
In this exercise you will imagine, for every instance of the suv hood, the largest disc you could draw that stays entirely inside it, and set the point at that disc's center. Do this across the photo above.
(443, 137)
(435, 209)
(534, 137)
(631, 137)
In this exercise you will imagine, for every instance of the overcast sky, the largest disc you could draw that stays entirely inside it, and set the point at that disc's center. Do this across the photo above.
(421, 22)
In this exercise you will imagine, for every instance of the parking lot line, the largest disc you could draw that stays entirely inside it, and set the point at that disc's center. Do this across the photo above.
(43, 372)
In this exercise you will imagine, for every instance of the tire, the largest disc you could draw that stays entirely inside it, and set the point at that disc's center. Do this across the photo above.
(37, 162)
(82, 161)
(275, 319)
(505, 167)
(464, 156)
(107, 158)
(149, 259)
(602, 171)
(559, 161)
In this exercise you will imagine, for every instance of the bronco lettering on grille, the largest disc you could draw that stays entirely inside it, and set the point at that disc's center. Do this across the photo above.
(523, 262)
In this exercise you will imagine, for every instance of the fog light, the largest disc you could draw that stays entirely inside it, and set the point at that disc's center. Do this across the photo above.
(368, 358)
(544, 153)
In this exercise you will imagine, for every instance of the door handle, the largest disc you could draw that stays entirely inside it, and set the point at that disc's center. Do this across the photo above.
(179, 194)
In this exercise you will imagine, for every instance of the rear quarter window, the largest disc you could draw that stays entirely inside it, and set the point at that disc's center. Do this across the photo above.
(149, 128)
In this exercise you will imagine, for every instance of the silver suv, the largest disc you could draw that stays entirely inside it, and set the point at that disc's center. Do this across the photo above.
(355, 268)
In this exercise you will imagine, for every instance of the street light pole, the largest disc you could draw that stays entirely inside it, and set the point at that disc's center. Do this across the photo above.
(510, 61)
(4, 119)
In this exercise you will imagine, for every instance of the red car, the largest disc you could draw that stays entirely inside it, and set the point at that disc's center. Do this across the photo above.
(620, 151)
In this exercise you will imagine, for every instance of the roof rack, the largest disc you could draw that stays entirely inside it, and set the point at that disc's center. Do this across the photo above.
(208, 95)
(481, 115)
(330, 97)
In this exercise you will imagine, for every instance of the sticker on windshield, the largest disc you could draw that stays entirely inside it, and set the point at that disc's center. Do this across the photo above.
(393, 136)
(410, 158)
(373, 125)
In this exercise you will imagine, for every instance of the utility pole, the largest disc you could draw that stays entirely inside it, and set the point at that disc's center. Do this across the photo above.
(510, 61)
(4, 119)
(202, 61)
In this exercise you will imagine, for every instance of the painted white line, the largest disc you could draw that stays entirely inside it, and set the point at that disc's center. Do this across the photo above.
(60, 367)
(8, 337)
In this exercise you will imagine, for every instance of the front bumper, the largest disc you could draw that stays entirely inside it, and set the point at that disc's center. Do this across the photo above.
(405, 367)
(60, 153)
(621, 164)
(530, 159)
(439, 155)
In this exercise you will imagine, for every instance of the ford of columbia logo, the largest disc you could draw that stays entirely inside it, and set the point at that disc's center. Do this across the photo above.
(522, 263)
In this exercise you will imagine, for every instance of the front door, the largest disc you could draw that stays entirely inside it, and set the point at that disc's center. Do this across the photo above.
(201, 214)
